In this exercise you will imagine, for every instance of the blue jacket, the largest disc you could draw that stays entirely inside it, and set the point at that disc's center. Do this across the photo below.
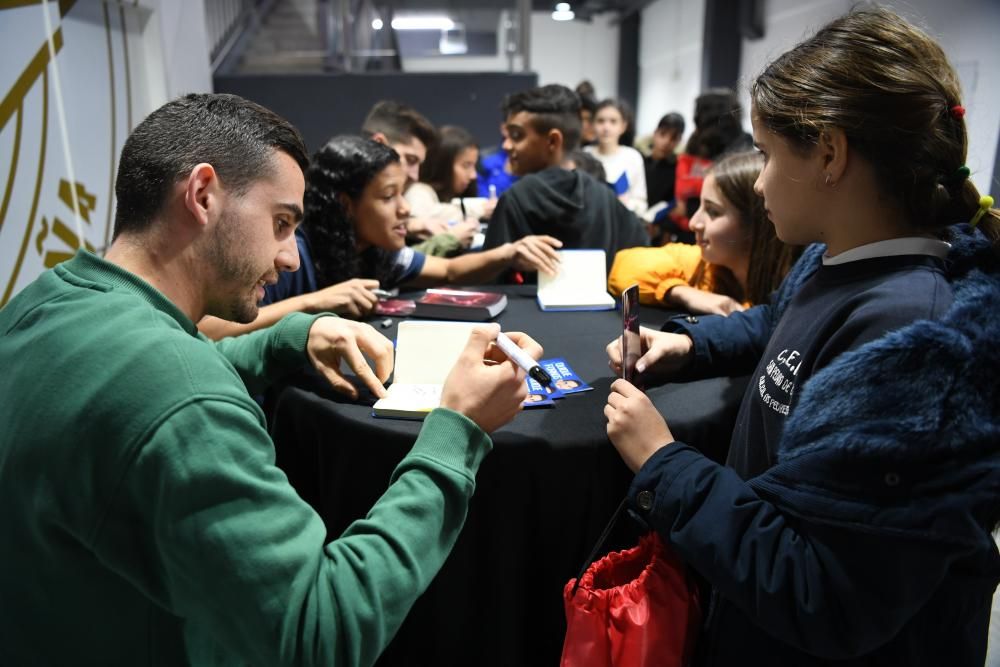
(869, 541)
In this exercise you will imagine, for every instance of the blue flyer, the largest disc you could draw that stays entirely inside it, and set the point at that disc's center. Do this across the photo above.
(563, 377)
(539, 396)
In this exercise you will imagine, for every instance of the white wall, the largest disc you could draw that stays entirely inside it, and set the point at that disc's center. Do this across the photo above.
(568, 52)
(184, 39)
(565, 52)
(62, 127)
(670, 46)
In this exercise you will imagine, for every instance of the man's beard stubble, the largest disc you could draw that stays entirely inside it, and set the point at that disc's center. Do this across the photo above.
(227, 253)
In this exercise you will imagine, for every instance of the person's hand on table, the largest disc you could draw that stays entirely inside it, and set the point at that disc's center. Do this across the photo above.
(484, 385)
(662, 353)
(333, 340)
(695, 300)
(352, 298)
(536, 253)
(635, 427)
(465, 231)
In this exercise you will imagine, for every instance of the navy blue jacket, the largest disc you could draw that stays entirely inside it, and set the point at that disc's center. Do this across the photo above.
(869, 541)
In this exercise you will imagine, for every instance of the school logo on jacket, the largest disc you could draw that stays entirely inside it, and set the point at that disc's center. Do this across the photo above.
(777, 384)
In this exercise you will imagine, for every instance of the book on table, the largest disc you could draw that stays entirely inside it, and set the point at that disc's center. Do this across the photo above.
(425, 354)
(450, 304)
(581, 284)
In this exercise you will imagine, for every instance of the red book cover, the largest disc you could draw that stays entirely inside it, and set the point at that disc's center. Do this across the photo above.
(449, 304)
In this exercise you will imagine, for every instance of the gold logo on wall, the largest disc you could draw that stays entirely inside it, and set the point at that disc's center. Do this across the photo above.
(44, 218)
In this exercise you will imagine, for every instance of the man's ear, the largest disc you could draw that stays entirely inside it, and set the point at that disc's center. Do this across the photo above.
(554, 141)
(202, 193)
(380, 137)
(833, 148)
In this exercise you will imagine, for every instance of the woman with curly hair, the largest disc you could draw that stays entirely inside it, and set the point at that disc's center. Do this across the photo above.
(352, 241)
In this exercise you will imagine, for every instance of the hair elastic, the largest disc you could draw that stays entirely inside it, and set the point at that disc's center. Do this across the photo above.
(985, 204)
(958, 112)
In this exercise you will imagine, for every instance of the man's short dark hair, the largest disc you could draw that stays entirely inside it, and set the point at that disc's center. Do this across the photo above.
(399, 123)
(237, 137)
(672, 123)
(553, 107)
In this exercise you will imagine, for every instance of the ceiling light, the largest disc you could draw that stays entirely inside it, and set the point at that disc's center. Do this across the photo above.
(377, 24)
(563, 12)
(422, 23)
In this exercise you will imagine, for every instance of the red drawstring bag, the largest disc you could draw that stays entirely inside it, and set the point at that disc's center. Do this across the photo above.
(630, 609)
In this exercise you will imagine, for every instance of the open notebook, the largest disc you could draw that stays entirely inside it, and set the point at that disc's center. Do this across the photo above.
(581, 284)
(425, 354)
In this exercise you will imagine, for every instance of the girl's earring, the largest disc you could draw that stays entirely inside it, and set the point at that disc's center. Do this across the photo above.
(829, 181)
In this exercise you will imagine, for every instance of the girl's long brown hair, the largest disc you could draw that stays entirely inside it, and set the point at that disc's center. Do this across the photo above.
(890, 88)
(770, 259)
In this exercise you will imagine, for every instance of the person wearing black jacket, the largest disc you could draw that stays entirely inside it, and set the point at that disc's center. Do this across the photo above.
(542, 125)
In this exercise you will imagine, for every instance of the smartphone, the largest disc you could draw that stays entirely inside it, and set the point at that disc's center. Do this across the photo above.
(631, 342)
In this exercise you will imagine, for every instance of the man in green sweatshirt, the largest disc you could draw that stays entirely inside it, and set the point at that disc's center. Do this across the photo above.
(144, 520)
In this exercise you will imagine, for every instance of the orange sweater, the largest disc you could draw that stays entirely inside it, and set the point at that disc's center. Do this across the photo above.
(657, 270)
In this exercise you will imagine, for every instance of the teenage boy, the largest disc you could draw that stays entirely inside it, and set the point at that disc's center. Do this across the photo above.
(543, 124)
(144, 519)
(405, 130)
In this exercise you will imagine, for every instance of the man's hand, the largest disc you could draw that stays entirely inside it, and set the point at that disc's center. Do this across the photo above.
(333, 340)
(662, 353)
(635, 426)
(699, 301)
(484, 385)
(536, 253)
(353, 298)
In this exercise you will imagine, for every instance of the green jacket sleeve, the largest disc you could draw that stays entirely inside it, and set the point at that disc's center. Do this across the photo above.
(242, 558)
(263, 356)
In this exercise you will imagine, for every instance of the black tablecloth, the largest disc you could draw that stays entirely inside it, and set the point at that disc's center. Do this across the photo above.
(542, 497)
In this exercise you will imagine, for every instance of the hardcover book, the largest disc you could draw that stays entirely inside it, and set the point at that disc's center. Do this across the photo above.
(581, 284)
(449, 304)
(425, 354)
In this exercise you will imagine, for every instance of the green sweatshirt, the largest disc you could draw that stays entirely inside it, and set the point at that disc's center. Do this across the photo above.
(144, 520)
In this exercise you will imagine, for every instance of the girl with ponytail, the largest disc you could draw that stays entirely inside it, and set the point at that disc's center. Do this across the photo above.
(852, 521)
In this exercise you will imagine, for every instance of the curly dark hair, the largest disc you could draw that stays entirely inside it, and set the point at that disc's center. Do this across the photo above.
(342, 168)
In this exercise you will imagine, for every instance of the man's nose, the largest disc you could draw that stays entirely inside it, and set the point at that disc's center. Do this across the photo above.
(288, 255)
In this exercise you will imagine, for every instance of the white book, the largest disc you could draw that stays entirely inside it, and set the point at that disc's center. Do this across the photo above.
(425, 354)
(581, 284)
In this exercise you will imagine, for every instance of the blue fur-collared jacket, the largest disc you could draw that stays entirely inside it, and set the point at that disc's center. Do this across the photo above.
(869, 540)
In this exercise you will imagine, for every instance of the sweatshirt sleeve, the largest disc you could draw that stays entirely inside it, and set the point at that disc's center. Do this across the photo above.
(787, 572)
(244, 561)
(656, 270)
(725, 345)
(263, 356)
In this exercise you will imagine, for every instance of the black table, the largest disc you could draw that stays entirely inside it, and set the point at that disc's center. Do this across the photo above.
(543, 495)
